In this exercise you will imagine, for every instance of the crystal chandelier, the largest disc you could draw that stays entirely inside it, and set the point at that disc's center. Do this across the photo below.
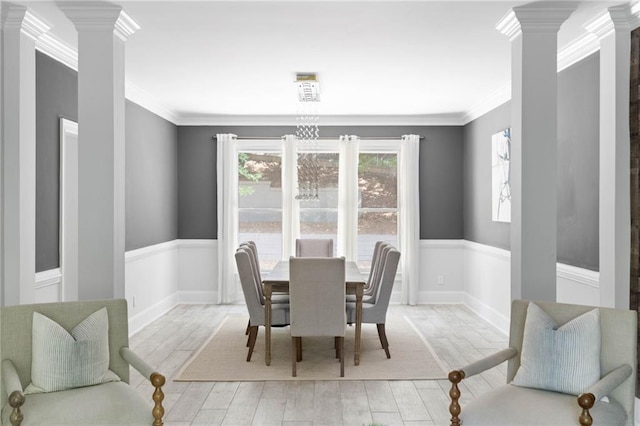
(307, 134)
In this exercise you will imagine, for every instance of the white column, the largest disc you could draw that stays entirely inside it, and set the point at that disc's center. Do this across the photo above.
(102, 30)
(20, 31)
(532, 30)
(613, 30)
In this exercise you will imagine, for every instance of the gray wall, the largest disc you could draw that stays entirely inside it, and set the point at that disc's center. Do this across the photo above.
(440, 174)
(578, 117)
(151, 178)
(151, 166)
(56, 97)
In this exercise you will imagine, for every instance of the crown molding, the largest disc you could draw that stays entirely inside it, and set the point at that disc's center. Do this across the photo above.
(535, 17)
(615, 18)
(125, 26)
(455, 119)
(147, 101)
(479, 109)
(20, 18)
(577, 50)
(55, 48)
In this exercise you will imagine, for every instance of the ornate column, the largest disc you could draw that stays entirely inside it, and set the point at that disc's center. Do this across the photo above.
(20, 30)
(613, 30)
(102, 31)
(532, 30)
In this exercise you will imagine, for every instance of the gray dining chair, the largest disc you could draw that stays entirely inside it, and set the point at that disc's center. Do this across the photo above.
(255, 263)
(375, 273)
(317, 294)
(375, 311)
(279, 312)
(314, 247)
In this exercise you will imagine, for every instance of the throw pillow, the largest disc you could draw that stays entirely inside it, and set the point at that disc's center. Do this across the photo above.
(563, 359)
(61, 360)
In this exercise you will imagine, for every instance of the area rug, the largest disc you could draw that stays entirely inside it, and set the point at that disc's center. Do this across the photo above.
(223, 356)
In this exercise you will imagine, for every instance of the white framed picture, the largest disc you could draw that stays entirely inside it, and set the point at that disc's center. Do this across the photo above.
(501, 176)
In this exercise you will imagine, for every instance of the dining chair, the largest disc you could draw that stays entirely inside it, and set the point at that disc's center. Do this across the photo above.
(375, 312)
(314, 247)
(317, 295)
(375, 273)
(279, 312)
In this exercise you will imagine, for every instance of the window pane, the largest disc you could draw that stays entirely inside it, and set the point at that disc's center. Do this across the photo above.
(319, 218)
(260, 204)
(378, 211)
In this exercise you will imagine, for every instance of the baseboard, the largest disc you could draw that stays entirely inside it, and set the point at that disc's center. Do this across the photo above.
(488, 313)
(197, 297)
(440, 297)
(147, 316)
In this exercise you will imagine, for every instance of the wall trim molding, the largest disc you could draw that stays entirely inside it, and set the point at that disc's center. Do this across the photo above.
(442, 244)
(48, 278)
(486, 249)
(139, 321)
(196, 243)
(492, 316)
(579, 275)
(151, 250)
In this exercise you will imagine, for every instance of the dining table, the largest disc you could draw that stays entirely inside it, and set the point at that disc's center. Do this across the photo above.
(277, 281)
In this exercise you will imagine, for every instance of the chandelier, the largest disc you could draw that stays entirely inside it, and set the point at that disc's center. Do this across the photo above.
(307, 134)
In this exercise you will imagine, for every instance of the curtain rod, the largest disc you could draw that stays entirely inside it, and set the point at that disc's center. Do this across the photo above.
(366, 138)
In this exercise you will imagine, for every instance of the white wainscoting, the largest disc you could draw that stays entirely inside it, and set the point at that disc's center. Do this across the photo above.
(151, 282)
(49, 286)
(159, 277)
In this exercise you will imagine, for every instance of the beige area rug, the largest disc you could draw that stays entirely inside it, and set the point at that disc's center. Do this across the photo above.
(223, 356)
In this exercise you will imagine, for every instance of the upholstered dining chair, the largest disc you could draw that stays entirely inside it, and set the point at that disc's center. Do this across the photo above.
(375, 273)
(279, 312)
(375, 311)
(40, 386)
(317, 295)
(255, 263)
(566, 365)
(314, 247)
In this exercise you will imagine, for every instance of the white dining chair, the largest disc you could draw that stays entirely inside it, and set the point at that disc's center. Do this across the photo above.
(314, 247)
(317, 301)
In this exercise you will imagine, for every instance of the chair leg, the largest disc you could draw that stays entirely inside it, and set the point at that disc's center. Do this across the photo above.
(299, 348)
(341, 350)
(383, 339)
(251, 341)
(246, 332)
(294, 355)
(336, 346)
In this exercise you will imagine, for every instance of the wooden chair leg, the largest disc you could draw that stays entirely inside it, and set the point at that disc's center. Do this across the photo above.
(336, 346)
(16, 400)
(157, 380)
(383, 339)
(455, 377)
(253, 336)
(294, 355)
(586, 402)
(341, 350)
(299, 349)
(246, 331)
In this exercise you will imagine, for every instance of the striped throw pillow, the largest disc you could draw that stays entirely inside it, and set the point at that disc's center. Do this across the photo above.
(563, 359)
(61, 360)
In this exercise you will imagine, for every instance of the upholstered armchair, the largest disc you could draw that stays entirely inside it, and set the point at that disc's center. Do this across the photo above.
(591, 380)
(110, 402)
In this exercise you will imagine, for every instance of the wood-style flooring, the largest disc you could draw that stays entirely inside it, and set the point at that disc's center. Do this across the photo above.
(457, 334)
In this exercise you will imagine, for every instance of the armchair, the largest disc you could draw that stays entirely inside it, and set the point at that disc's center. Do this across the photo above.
(511, 404)
(102, 404)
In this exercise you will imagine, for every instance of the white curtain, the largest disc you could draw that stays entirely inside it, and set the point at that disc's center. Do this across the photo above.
(227, 186)
(409, 200)
(290, 205)
(347, 244)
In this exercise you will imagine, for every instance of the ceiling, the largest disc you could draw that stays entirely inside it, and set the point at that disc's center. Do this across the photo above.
(385, 62)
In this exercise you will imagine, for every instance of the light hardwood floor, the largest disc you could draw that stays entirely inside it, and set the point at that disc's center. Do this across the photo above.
(457, 334)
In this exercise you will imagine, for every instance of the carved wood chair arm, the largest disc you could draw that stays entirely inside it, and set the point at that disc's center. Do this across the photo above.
(156, 379)
(600, 389)
(472, 369)
(14, 390)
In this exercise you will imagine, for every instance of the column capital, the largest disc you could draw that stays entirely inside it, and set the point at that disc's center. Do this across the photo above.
(537, 17)
(99, 16)
(615, 18)
(19, 18)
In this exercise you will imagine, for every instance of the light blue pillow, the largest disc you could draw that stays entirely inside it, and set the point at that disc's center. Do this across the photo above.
(61, 360)
(563, 359)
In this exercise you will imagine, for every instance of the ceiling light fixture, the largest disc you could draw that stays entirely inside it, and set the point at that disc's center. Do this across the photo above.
(307, 134)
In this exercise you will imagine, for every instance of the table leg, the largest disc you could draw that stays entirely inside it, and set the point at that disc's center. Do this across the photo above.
(267, 323)
(359, 295)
